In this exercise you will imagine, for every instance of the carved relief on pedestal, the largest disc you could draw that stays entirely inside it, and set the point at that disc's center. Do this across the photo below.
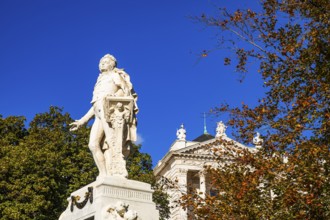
(126, 193)
(120, 212)
(119, 115)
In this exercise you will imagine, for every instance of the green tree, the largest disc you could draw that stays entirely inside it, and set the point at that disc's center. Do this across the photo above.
(12, 131)
(42, 165)
(289, 177)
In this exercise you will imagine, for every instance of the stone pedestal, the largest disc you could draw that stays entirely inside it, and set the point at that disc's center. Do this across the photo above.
(113, 198)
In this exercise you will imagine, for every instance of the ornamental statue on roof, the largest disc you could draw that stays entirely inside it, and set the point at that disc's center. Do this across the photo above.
(181, 133)
(257, 140)
(221, 129)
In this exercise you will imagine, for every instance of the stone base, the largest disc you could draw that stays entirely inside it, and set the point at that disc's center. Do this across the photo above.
(112, 198)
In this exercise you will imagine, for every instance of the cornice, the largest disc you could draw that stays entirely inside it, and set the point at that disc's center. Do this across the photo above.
(187, 152)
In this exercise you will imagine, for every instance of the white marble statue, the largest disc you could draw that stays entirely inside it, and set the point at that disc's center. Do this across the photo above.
(114, 108)
(221, 129)
(181, 133)
(258, 141)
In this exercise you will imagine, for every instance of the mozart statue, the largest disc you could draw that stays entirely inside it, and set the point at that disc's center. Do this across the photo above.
(114, 109)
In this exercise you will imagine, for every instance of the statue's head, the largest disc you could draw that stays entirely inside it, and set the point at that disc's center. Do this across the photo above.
(107, 62)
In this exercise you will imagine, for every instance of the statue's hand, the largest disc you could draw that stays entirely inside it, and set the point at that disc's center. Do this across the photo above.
(75, 125)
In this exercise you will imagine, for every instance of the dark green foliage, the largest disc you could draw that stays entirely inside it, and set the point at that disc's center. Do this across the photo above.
(139, 165)
(41, 165)
(12, 130)
(162, 202)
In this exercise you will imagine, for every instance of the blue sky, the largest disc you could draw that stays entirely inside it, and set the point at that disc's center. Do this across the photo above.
(49, 54)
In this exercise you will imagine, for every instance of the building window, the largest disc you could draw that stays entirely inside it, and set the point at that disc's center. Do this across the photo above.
(214, 192)
(193, 181)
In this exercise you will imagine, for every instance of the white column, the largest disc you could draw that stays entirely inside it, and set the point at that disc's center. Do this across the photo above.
(182, 181)
(202, 184)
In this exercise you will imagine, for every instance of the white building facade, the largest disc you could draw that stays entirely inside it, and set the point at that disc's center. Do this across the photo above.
(184, 165)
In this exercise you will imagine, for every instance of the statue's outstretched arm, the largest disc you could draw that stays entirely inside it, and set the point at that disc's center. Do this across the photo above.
(78, 123)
